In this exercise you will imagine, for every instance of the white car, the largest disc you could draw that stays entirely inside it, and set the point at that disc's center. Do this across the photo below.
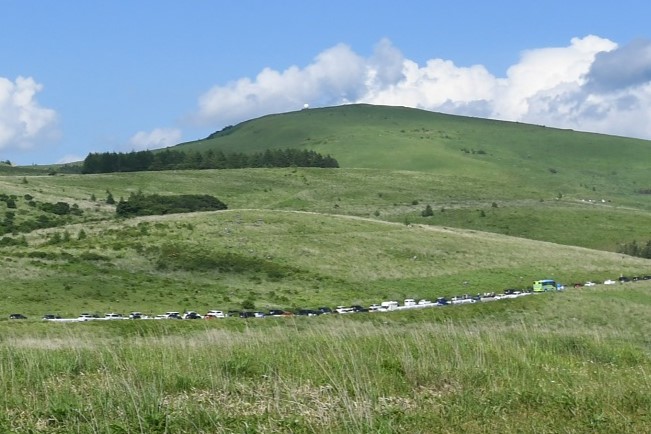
(344, 309)
(590, 284)
(609, 282)
(389, 305)
(211, 314)
(113, 316)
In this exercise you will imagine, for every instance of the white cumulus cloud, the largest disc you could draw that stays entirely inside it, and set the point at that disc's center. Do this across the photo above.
(23, 122)
(336, 76)
(591, 84)
(156, 138)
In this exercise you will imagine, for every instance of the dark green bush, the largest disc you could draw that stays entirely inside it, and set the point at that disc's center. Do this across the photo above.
(140, 204)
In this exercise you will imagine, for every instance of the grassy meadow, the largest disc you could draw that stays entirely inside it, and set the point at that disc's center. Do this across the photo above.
(576, 361)
(511, 203)
(279, 259)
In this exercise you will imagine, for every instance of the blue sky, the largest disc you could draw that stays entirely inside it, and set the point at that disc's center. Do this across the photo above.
(94, 76)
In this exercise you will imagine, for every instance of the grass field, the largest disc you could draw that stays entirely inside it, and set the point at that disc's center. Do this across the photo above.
(566, 362)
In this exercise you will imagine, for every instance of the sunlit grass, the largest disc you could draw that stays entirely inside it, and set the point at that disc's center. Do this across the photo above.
(536, 364)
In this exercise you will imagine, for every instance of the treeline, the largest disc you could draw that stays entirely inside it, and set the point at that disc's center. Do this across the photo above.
(642, 250)
(140, 204)
(138, 161)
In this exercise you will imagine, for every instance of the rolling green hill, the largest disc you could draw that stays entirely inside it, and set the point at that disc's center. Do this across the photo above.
(202, 261)
(530, 158)
(294, 238)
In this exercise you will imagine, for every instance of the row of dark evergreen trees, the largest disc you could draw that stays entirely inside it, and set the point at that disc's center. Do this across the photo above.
(138, 161)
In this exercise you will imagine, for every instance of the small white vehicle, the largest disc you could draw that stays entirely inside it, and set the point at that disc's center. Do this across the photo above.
(212, 314)
(590, 284)
(375, 308)
(109, 316)
(344, 309)
(462, 299)
(609, 282)
(389, 305)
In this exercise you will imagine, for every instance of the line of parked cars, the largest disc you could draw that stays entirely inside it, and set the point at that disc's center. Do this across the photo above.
(385, 306)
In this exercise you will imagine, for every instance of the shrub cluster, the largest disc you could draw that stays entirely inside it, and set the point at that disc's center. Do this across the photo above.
(9, 224)
(109, 162)
(140, 204)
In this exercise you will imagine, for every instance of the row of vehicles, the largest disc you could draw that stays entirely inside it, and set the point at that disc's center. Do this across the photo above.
(538, 286)
(385, 306)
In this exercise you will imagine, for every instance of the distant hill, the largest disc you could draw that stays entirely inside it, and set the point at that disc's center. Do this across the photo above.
(381, 137)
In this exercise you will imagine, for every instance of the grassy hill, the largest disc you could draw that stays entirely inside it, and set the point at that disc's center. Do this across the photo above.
(524, 158)
(276, 259)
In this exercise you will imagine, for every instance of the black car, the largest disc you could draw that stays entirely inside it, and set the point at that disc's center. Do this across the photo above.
(357, 308)
(307, 312)
(325, 310)
(247, 314)
(17, 316)
(51, 316)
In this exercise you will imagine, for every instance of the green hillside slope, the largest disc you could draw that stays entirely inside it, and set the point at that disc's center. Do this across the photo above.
(398, 138)
(292, 259)
(397, 196)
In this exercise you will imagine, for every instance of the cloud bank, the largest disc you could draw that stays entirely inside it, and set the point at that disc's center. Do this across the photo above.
(592, 84)
(23, 122)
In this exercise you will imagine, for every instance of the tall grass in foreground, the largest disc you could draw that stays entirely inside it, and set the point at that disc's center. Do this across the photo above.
(550, 370)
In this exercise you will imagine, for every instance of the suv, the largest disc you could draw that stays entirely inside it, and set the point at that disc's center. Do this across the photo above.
(17, 316)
